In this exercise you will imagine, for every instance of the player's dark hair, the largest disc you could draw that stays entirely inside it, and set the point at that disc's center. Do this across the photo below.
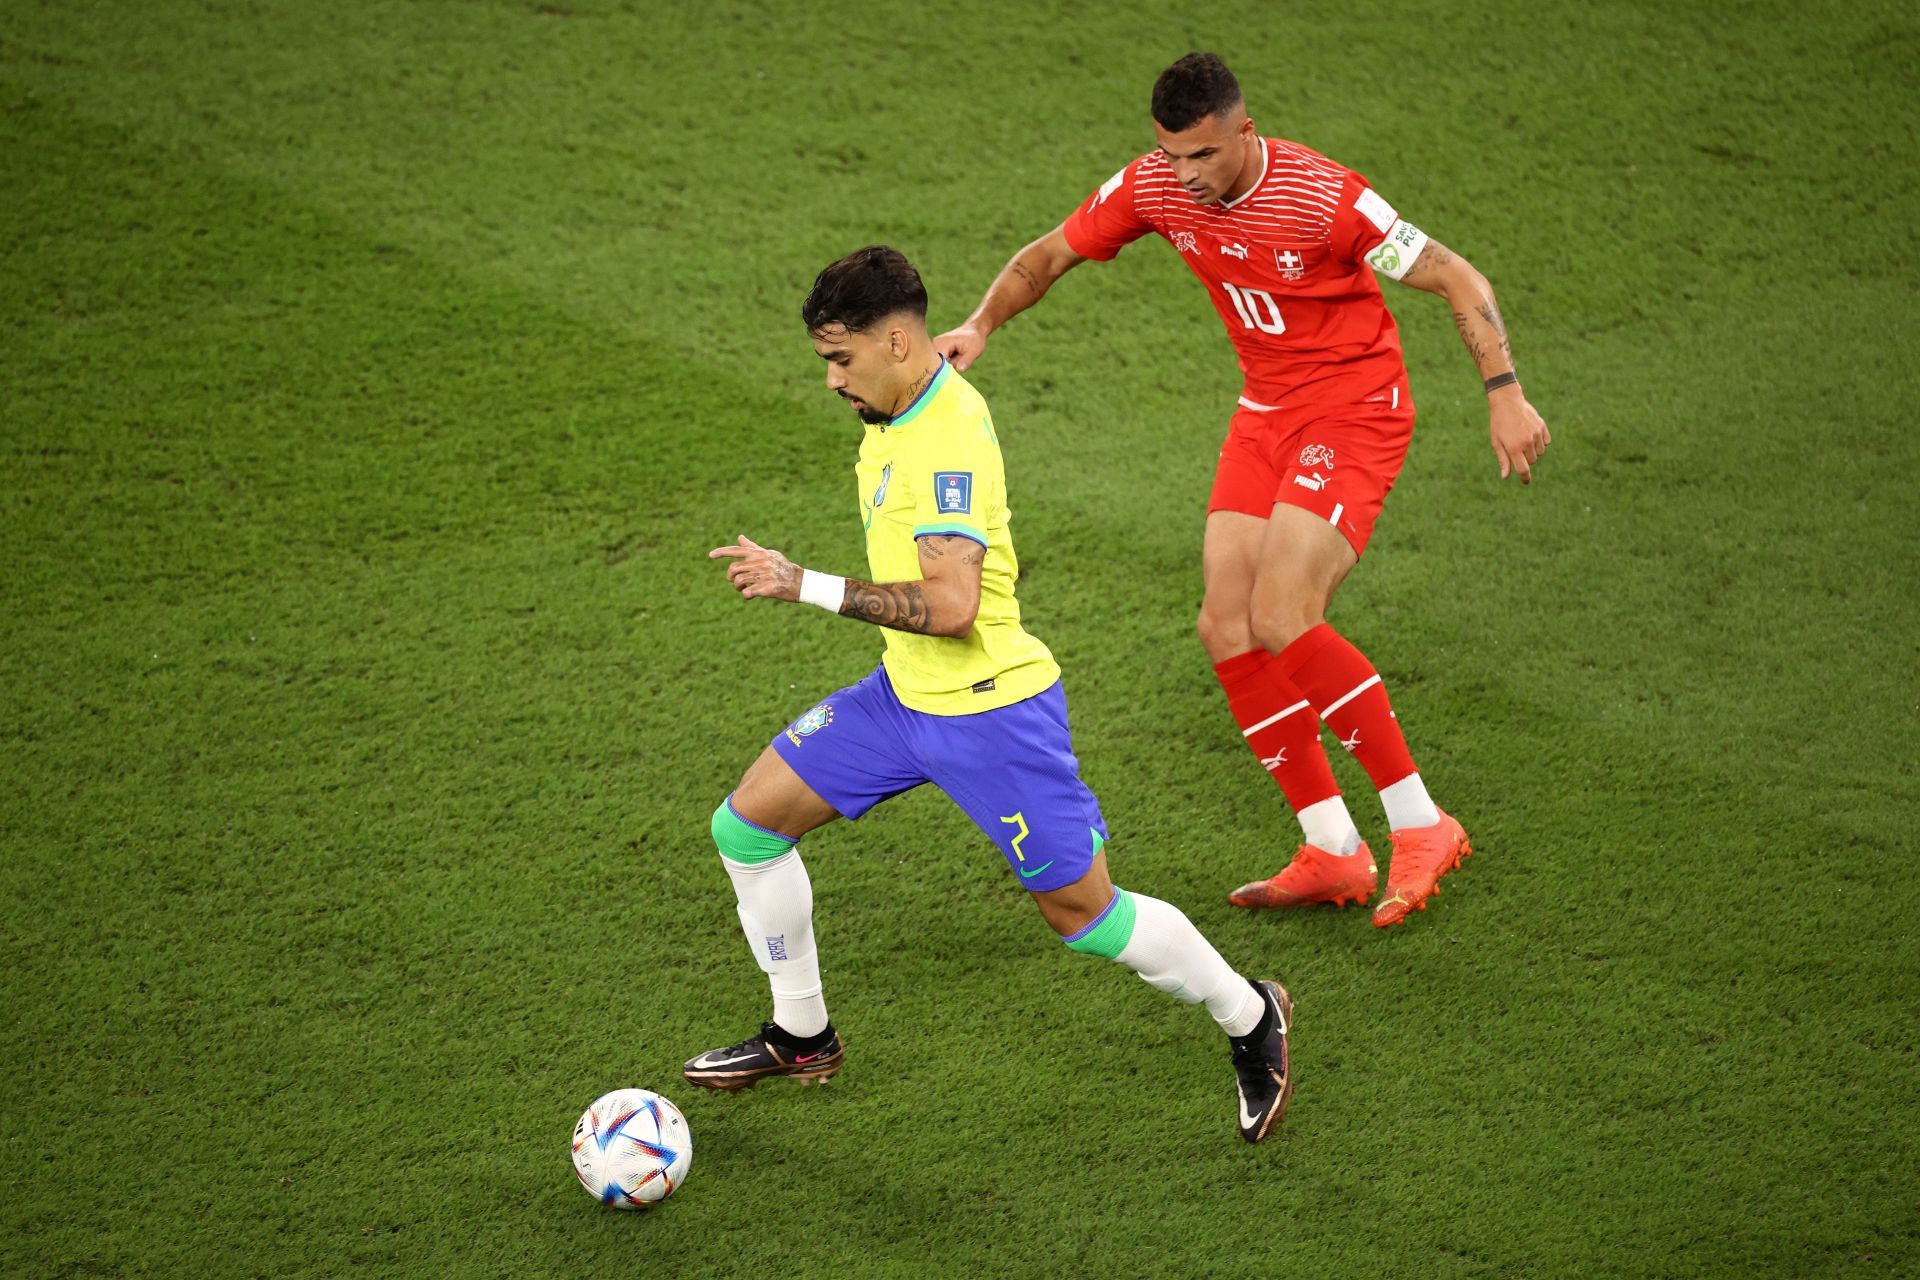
(1197, 86)
(864, 288)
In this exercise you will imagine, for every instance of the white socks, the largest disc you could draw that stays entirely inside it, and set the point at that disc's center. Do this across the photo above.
(1163, 947)
(1408, 804)
(1327, 825)
(776, 911)
(1170, 954)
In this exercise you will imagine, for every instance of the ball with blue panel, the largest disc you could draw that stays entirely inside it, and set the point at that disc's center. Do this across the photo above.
(632, 1149)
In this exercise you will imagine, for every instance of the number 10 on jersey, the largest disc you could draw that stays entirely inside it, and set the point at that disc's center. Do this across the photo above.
(1256, 308)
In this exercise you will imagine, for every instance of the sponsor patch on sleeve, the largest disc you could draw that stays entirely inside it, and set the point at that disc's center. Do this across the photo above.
(1392, 256)
(1375, 210)
(953, 492)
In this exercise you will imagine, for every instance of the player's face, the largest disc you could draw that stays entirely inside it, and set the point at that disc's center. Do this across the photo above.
(1208, 156)
(859, 365)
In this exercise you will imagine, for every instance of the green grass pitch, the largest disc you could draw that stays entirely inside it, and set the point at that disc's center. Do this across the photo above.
(374, 378)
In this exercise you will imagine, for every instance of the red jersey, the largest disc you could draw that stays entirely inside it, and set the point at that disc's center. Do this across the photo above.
(1289, 266)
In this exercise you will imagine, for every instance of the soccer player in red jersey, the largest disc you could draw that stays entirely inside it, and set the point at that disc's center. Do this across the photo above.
(1289, 246)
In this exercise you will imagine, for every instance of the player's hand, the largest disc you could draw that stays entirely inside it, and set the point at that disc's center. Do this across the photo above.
(1520, 436)
(757, 571)
(961, 346)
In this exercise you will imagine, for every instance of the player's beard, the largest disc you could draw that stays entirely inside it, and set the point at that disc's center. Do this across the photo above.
(868, 414)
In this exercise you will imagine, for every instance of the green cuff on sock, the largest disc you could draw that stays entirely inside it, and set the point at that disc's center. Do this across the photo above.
(1110, 932)
(740, 841)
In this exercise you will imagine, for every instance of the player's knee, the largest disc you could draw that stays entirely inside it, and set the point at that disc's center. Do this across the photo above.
(1222, 634)
(1108, 932)
(740, 841)
(1278, 623)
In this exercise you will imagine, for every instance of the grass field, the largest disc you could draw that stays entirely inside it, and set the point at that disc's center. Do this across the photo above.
(374, 378)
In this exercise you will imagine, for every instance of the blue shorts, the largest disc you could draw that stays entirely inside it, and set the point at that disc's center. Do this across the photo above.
(1012, 770)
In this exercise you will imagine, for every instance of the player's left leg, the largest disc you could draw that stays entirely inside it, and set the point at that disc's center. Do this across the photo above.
(1332, 863)
(837, 759)
(1014, 773)
(1314, 538)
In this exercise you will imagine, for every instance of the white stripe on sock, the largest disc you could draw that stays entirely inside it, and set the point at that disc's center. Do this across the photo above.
(1275, 719)
(1351, 694)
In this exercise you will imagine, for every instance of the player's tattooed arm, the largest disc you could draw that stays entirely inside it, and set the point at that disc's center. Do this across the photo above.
(944, 601)
(1475, 314)
(1021, 283)
(1426, 270)
(1028, 276)
(1519, 435)
(900, 605)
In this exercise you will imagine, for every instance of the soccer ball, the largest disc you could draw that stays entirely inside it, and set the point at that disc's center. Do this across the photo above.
(632, 1149)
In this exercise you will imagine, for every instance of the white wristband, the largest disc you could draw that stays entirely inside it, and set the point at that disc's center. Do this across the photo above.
(823, 589)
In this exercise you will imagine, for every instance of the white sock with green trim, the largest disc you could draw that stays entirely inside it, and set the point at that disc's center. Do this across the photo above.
(1170, 954)
(1157, 941)
(776, 912)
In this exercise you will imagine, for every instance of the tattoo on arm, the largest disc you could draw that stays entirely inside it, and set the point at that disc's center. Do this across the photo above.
(1482, 329)
(933, 548)
(1490, 312)
(1025, 272)
(1469, 334)
(1435, 257)
(900, 605)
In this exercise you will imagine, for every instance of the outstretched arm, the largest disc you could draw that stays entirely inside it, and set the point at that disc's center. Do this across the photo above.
(1519, 434)
(1020, 284)
(942, 603)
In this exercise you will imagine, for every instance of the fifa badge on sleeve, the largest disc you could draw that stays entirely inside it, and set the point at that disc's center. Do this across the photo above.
(953, 492)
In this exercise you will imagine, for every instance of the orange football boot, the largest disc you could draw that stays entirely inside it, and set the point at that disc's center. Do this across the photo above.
(1421, 855)
(1313, 876)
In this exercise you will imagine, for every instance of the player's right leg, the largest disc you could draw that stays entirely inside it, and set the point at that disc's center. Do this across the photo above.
(1159, 943)
(1275, 717)
(1315, 534)
(1013, 771)
(832, 761)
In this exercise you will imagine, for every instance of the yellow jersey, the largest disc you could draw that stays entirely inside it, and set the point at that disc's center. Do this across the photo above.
(936, 469)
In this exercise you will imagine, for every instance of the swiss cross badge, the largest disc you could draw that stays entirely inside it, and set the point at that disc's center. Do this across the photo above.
(1292, 265)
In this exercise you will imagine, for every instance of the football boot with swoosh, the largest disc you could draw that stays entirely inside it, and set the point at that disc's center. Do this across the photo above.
(770, 1052)
(1264, 1076)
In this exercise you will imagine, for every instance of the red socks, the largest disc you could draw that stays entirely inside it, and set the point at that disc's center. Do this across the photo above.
(1280, 724)
(1347, 693)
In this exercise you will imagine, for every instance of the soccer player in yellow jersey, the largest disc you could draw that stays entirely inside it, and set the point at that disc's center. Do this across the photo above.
(965, 698)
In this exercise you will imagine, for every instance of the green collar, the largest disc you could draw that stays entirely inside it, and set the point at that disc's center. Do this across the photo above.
(927, 393)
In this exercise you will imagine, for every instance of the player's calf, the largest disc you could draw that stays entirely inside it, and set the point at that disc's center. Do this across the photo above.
(1157, 941)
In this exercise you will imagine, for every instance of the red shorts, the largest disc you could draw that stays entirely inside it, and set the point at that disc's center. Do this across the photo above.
(1337, 461)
